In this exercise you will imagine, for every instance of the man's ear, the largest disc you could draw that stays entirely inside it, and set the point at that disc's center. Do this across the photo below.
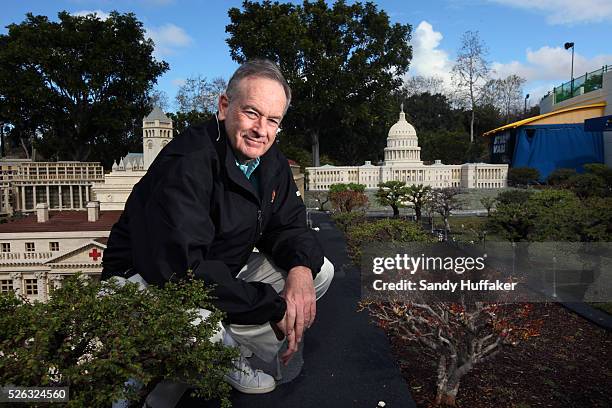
(223, 106)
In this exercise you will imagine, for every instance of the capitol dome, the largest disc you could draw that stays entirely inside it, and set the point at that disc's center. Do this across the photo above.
(401, 128)
(402, 143)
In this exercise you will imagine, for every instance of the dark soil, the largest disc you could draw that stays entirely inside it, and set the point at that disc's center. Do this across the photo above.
(568, 365)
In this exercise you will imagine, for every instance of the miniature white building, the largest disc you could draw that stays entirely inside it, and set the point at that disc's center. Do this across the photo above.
(113, 192)
(38, 251)
(64, 185)
(403, 163)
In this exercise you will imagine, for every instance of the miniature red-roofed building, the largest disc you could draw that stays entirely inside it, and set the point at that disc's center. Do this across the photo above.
(41, 249)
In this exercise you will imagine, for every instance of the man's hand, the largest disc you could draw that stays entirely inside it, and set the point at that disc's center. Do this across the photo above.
(299, 294)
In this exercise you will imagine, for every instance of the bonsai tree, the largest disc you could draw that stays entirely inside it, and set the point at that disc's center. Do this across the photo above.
(445, 200)
(459, 335)
(393, 194)
(348, 197)
(488, 203)
(418, 195)
(321, 198)
(559, 177)
(95, 343)
(602, 171)
(587, 185)
(513, 196)
(523, 176)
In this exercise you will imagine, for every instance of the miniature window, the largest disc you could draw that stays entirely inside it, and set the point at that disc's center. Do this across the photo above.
(31, 287)
(6, 247)
(6, 285)
(29, 246)
(54, 246)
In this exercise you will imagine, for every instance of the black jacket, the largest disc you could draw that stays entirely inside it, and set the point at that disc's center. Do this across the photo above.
(194, 209)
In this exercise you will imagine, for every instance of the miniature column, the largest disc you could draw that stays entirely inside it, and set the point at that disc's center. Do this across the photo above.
(41, 279)
(16, 277)
(59, 195)
(80, 197)
(23, 198)
(71, 198)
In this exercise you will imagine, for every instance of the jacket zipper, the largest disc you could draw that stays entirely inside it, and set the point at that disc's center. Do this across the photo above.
(259, 221)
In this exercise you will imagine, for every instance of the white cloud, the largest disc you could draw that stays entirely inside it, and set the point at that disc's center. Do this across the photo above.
(101, 14)
(427, 59)
(566, 11)
(547, 67)
(178, 82)
(168, 38)
(550, 64)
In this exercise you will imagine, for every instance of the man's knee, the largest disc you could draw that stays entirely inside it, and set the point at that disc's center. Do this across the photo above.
(324, 278)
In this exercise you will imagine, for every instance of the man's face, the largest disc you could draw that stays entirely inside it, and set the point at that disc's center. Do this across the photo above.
(253, 116)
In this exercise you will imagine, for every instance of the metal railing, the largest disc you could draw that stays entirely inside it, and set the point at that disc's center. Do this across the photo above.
(591, 81)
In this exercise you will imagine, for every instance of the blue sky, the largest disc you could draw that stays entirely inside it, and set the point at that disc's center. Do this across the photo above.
(524, 37)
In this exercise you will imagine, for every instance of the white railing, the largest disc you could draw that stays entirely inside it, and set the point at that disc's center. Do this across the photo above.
(37, 255)
(9, 255)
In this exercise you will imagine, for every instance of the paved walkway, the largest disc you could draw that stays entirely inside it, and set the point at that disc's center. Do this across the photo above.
(347, 360)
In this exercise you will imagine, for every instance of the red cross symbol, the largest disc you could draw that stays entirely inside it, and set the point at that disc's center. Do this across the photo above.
(95, 254)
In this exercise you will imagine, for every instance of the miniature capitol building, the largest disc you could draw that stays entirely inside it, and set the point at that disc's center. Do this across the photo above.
(403, 163)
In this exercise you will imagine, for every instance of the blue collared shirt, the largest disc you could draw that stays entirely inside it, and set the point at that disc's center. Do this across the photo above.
(248, 170)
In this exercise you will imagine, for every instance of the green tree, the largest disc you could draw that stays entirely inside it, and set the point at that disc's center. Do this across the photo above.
(559, 177)
(418, 195)
(427, 112)
(554, 212)
(547, 215)
(587, 185)
(94, 343)
(449, 146)
(513, 196)
(342, 62)
(182, 120)
(603, 171)
(78, 88)
(338, 187)
(593, 221)
(393, 194)
(445, 201)
(488, 203)
(523, 176)
(510, 218)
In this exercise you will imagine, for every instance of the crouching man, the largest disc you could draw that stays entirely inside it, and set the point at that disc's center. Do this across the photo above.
(213, 194)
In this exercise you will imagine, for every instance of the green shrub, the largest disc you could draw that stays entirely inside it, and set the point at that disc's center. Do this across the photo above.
(349, 200)
(523, 176)
(387, 230)
(587, 185)
(94, 344)
(513, 196)
(559, 177)
(340, 187)
(345, 220)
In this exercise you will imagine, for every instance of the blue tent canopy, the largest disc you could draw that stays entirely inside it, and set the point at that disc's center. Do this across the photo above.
(549, 147)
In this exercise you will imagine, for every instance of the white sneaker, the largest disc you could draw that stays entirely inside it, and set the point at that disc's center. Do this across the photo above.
(250, 381)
